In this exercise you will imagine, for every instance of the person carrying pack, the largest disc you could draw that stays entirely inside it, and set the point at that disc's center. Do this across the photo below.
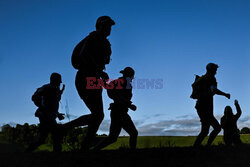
(204, 88)
(121, 92)
(89, 58)
(197, 87)
(47, 99)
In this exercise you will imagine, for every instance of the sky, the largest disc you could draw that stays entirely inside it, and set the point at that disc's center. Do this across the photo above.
(165, 40)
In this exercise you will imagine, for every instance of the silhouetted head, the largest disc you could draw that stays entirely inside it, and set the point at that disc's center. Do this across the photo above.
(104, 24)
(211, 68)
(128, 72)
(228, 111)
(55, 79)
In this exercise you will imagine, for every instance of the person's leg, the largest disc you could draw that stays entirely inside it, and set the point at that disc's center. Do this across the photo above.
(129, 127)
(202, 109)
(216, 130)
(87, 97)
(93, 100)
(43, 134)
(95, 105)
(227, 140)
(114, 131)
(56, 138)
(80, 121)
(237, 140)
(204, 132)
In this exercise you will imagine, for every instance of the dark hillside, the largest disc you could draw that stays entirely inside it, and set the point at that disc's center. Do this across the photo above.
(173, 156)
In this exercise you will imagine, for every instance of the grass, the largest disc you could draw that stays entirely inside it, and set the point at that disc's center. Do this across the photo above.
(145, 142)
(167, 141)
(152, 151)
(6, 147)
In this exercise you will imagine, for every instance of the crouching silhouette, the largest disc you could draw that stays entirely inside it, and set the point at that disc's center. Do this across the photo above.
(229, 125)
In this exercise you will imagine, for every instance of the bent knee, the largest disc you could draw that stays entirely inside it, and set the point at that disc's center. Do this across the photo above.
(134, 133)
(217, 129)
(204, 132)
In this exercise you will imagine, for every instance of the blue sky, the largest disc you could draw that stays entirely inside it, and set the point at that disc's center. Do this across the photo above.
(168, 40)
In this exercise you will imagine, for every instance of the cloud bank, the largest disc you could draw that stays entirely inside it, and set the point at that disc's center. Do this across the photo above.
(185, 125)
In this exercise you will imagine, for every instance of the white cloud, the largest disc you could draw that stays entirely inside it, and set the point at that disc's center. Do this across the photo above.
(180, 126)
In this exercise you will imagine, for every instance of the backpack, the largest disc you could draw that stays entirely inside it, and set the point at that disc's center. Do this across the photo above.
(75, 58)
(196, 87)
(37, 98)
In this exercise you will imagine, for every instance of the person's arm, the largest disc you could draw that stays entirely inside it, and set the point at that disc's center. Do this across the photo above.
(238, 109)
(60, 116)
(133, 107)
(114, 94)
(215, 90)
(104, 76)
(126, 102)
(122, 100)
(61, 91)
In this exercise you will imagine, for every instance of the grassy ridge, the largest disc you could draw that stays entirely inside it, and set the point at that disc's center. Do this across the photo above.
(168, 141)
(153, 151)
(6, 147)
(145, 142)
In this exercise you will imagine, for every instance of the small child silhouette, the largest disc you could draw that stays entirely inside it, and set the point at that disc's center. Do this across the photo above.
(229, 125)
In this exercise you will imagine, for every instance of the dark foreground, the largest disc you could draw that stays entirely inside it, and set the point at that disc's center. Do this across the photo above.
(173, 156)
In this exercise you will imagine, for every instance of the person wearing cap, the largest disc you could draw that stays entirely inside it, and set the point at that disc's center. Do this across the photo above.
(47, 99)
(94, 54)
(204, 105)
(121, 93)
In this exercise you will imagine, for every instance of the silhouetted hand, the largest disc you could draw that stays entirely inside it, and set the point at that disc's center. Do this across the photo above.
(62, 88)
(104, 76)
(236, 102)
(228, 95)
(60, 116)
(133, 107)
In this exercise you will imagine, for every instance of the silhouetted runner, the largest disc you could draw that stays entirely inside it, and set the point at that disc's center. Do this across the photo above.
(90, 57)
(206, 87)
(47, 99)
(120, 90)
(229, 125)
